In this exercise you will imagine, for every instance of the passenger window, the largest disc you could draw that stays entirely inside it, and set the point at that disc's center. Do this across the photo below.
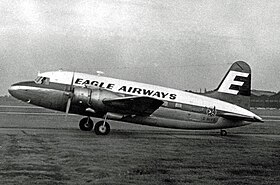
(178, 105)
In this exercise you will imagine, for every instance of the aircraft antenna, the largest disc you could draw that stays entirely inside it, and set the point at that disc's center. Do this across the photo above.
(100, 73)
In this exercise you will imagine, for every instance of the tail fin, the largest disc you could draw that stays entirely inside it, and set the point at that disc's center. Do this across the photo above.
(235, 86)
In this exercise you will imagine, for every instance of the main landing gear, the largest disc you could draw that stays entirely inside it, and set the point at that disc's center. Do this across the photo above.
(100, 128)
(223, 132)
(86, 124)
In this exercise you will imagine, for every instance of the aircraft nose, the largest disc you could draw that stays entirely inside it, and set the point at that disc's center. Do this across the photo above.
(19, 91)
(14, 90)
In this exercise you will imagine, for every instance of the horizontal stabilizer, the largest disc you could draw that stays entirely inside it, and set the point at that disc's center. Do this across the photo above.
(240, 117)
(143, 106)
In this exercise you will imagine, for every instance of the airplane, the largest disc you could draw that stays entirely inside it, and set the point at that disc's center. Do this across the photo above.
(113, 99)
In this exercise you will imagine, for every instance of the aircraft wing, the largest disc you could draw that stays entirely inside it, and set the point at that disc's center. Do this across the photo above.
(135, 105)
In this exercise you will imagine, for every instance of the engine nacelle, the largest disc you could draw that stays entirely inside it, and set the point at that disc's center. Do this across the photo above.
(81, 96)
(97, 95)
(92, 98)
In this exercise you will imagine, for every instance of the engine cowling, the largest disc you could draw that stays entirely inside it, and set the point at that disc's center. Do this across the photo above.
(92, 98)
(81, 96)
(97, 96)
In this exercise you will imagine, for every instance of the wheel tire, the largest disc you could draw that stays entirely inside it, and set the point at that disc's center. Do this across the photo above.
(86, 124)
(99, 129)
(223, 132)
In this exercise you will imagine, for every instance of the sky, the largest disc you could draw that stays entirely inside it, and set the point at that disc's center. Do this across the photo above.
(182, 44)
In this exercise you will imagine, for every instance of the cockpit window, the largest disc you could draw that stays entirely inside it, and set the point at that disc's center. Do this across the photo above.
(38, 80)
(42, 80)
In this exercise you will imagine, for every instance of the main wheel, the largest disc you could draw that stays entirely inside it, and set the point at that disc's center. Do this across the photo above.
(223, 132)
(101, 129)
(86, 124)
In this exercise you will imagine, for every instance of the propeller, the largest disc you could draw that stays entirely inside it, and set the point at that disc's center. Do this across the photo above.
(70, 94)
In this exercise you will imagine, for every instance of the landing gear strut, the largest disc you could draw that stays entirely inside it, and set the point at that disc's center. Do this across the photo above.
(102, 127)
(86, 124)
(223, 132)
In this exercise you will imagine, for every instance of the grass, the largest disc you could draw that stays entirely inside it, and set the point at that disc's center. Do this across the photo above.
(49, 150)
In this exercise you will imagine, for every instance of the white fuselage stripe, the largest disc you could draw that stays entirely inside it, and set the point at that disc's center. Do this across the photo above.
(64, 77)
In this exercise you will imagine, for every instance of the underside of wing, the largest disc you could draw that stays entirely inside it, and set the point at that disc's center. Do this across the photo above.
(142, 106)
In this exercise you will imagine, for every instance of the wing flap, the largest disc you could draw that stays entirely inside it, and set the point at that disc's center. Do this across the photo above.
(143, 106)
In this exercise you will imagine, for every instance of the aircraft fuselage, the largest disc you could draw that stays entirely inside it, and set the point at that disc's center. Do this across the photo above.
(182, 110)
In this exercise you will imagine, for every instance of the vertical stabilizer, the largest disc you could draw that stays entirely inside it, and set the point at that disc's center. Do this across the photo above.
(235, 86)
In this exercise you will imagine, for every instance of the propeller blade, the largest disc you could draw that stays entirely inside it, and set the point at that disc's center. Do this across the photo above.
(71, 94)
(68, 106)
(72, 82)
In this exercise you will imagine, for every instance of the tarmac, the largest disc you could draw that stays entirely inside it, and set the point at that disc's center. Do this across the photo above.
(38, 146)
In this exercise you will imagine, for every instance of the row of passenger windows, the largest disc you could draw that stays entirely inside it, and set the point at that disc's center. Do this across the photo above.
(185, 107)
(265, 101)
(172, 105)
